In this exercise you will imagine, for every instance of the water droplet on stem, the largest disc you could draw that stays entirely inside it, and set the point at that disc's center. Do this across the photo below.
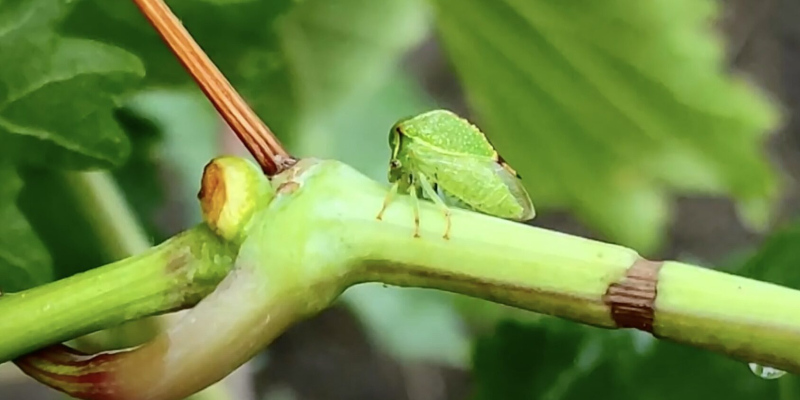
(766, 372)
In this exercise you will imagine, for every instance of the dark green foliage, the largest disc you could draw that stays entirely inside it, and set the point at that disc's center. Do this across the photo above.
(57, 96)
(561, 360)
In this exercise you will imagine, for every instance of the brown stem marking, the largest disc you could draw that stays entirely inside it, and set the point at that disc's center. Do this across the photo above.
(251, 130)
(632, 299)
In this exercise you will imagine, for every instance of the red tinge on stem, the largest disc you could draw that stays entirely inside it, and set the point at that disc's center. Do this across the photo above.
(78, 374)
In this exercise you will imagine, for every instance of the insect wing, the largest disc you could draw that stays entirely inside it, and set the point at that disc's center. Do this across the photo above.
(477, 181)
(517, 190)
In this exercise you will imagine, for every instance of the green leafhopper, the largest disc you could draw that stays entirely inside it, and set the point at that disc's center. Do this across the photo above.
(439, 149)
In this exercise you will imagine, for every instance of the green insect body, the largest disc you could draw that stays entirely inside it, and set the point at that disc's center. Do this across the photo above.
(441, 149)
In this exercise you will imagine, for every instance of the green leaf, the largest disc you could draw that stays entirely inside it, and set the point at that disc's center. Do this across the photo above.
(292, 61)
(58, 94)
(225, 2)
(520, 363)
(139, 178)
(605, 108)
(24, 261)
(53, 208)
(239, 37)
(561, 360)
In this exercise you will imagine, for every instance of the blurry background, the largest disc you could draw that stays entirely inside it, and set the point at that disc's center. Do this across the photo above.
(629, 122)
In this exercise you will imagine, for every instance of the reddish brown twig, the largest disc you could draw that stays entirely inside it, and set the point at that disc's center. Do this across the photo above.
(255, 135)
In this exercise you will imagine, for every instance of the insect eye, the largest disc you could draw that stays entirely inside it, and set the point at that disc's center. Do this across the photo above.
(394, 164)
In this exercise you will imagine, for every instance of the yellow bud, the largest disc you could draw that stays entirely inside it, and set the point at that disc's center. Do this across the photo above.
(231, 191)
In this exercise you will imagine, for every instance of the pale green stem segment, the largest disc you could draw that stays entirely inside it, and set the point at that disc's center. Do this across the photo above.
(743, 318)
(174, 275)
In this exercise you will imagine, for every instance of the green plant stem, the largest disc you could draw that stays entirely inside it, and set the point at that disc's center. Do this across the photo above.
(320, 235)
(501, 261)
(104, 205)
(562, 275)
(532, 268)
(567, 276)
(171, 276)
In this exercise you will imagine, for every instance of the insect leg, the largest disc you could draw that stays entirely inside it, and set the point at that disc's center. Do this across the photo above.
(388, 199)
(415, 203)
(431, 192)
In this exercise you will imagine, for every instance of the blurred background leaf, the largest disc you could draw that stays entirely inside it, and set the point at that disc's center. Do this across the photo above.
(294, 62)
(56, 111)
(58, 216)
(557, 360)
(605, 108)
(58, 94)
(412, 325)
(777, 260)
(24, 261)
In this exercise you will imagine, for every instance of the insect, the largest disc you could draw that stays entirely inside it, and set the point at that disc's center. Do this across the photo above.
(440, 150)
